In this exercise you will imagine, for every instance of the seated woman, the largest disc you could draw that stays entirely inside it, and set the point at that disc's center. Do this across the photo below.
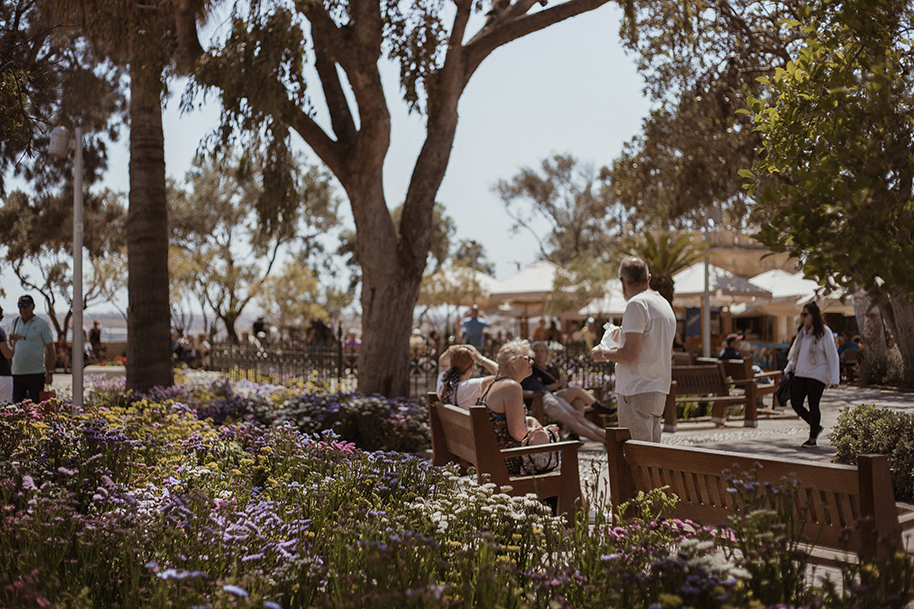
(559, 408)
(555, 381)
(504, 402)
(62, 349)
(456, 382)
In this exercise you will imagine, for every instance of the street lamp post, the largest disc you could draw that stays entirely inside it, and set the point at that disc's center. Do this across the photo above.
(59, 146)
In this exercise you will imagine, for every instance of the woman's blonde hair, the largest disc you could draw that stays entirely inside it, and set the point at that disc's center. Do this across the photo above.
(510, 352)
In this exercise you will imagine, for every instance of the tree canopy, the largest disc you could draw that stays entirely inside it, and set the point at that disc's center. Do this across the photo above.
(574, 201)
(700, 60)
(225, 255)
(836, 127)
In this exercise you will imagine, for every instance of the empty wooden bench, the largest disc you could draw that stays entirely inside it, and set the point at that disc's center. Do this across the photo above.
(705, 383)
(740, 370)
(466, 437)
(836, 496)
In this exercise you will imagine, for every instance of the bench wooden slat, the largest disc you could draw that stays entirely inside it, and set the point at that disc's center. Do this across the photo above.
(740, 370)
(829, 497)
(466, 437)
(706, 383)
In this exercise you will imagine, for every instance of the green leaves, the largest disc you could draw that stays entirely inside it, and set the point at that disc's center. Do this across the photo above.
(836, 123)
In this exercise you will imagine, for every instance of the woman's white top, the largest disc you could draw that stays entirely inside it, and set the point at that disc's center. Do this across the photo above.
(815, 358)
(468, 391)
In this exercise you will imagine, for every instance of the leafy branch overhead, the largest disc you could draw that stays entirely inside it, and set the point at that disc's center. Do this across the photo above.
(836, 127)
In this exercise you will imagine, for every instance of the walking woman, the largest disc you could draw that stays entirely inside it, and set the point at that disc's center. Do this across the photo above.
(813, 358)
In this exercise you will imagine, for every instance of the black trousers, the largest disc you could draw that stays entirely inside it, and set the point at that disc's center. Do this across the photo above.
(805, 388)
(27, 386)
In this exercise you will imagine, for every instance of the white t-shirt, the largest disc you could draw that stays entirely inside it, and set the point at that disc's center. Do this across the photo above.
(468, 391)
(650, 315)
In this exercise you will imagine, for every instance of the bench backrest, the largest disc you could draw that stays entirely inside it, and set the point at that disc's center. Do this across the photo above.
(683, 358)
(830, 497)
(467, 435)
(704, 379)
(738, 369)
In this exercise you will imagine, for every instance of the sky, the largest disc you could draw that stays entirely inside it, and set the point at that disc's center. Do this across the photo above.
(569, 89)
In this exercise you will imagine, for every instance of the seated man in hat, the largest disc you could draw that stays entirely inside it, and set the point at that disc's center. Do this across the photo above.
(731, 351)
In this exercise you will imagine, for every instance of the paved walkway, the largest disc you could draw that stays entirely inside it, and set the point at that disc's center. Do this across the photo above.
(779, 436)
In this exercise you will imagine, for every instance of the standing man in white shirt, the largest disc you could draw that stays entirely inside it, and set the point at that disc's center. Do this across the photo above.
(644, 361)
(34, 357)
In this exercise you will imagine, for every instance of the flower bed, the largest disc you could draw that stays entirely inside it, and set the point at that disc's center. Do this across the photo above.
(143, 503)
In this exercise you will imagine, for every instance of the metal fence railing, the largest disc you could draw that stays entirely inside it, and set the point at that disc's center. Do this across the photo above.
(339, 370)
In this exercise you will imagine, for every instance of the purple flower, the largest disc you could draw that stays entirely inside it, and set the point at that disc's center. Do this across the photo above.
(235, 590)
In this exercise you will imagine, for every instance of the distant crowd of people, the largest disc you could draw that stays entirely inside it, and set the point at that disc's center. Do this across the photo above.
(186, 349)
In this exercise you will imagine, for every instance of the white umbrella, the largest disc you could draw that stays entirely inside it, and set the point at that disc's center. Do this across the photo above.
(725, 288)
(529, 286)
(611, 304)
(786, 288)
(833, 301)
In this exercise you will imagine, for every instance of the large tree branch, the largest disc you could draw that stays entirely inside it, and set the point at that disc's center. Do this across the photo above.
(357, 49)
(337, 104)
(515, 23)
(444, 91)
(189, 48)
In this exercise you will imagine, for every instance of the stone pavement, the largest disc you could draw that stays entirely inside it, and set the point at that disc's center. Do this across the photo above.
(779, 436)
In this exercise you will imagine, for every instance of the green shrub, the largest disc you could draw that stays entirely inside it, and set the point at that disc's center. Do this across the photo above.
(883, 368)
(870, 430)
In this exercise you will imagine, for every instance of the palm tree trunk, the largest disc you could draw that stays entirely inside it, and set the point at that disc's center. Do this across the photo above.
(148, 321)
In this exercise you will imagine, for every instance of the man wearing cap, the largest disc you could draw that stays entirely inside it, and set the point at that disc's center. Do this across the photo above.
(34, 357)
(731, 351)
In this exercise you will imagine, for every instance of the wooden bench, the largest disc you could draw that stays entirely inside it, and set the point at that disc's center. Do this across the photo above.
(848, 365)
(836, 496)
(683, 358)
(705, 383)
(740, 370)
(466, 437)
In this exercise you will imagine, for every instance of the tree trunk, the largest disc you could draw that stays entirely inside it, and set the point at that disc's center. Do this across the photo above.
(388, 299)
(898, 313)
(148, 320)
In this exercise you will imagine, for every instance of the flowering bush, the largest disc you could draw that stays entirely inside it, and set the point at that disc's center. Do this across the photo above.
(117, 360)
(141, 503)
(371, 422)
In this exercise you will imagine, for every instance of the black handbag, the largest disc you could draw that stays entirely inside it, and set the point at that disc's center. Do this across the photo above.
(782, 391)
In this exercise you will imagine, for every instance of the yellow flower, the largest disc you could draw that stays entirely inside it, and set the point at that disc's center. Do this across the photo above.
(517, 536)
(513, 548)
(670, 601)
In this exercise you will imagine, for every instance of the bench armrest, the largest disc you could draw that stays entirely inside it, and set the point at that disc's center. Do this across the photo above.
(905, 515)
(568, 445)
(710, 398)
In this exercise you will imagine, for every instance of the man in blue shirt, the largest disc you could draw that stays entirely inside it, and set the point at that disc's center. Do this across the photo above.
(473, 327)
(847, 344)
(34, 357)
